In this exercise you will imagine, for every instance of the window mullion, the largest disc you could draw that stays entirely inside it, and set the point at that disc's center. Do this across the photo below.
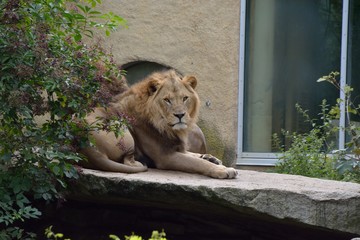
(343, 70)
(241, 77)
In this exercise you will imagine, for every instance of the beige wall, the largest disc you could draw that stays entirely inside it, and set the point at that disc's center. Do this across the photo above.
(195, 37)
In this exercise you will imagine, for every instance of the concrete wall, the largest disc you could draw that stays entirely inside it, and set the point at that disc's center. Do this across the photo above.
(195, 37)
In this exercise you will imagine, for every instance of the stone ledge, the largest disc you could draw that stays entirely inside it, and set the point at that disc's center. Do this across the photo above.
(317, 203)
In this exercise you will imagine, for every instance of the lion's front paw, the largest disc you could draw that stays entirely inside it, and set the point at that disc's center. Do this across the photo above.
(231, 172)
(211, 158)
(224, 173)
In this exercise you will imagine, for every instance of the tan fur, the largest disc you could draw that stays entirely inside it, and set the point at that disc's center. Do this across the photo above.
(165, 107)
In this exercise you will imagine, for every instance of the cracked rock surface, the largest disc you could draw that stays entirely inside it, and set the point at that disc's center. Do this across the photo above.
(314, 202)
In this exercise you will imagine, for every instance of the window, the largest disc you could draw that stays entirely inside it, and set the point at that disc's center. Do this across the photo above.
(285, 46)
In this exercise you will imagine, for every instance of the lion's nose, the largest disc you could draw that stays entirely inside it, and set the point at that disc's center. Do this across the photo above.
(179, 115)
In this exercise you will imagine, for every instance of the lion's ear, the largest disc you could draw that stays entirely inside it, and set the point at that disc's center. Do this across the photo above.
(191, 80)
(153, 85)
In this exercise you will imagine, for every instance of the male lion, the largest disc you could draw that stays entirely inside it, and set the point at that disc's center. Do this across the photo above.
(165, 107)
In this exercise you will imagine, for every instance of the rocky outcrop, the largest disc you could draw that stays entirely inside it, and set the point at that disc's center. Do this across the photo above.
(300, 200)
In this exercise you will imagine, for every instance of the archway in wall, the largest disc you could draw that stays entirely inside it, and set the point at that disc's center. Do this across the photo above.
(136, 71)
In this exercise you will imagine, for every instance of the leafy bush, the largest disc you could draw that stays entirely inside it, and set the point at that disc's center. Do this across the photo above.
(308, 153)
(348, 158)
(49, 77)
(312, 154)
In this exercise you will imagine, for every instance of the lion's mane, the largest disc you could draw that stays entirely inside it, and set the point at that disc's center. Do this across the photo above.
(143, 101)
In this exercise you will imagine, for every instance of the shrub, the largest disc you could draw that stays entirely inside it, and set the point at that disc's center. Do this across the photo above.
(308, 152)
(47, 70)
(311, 154)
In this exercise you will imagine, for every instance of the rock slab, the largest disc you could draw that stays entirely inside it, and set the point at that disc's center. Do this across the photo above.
(313, 202)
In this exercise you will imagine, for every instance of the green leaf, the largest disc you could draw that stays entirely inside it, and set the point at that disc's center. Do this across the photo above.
(322, 79)
(59, 235)
(94, 12)
(83, 9)
(56, 170)
(345, 166)
(77, 37)
(114, 237)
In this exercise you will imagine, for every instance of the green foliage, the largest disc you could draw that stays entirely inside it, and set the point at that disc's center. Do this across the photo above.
(307, 154)
(311, 154)
(51, 235)
(13, 233)
(49, 78)
(156, 235)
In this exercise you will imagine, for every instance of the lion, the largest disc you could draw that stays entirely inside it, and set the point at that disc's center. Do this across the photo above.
(164, 135)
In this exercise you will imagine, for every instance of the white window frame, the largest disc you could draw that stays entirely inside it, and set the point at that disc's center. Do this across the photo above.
(269, 159)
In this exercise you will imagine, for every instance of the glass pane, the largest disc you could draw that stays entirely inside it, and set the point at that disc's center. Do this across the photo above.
(353, 75)
(289, 45)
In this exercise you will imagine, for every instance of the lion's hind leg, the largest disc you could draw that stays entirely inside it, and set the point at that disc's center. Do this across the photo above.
(129, 160)
(100, 161)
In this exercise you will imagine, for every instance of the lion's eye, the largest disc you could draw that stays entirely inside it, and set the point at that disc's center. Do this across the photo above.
(167, 100)
(185, 98)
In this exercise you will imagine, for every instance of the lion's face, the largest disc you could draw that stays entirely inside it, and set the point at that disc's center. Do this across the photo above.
(173, 103)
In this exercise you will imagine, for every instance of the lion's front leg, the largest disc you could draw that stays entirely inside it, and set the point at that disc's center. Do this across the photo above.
(211, 158)
(193, 163)
(207, 157)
